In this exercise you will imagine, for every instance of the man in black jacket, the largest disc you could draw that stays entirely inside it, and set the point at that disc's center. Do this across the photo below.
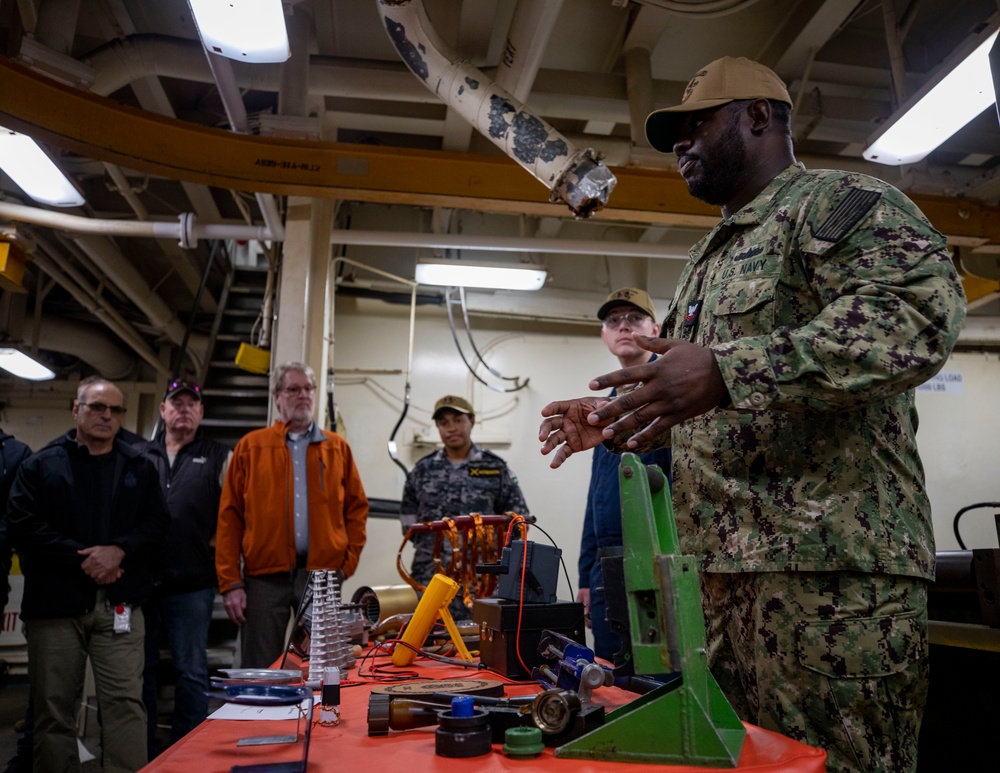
(191, 468)
(12, 453)
(87, 516)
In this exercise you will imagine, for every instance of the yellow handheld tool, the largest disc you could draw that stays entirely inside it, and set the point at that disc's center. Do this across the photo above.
(434, 604)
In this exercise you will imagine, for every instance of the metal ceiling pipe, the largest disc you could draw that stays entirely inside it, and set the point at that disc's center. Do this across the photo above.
(505, 244)
(121, 62)
(648, 26)
(125, 191)
(125, 60)
(639, 77)
(576, 177)
(187, 231)
(529, 33)
(236, 111)
(294, 92)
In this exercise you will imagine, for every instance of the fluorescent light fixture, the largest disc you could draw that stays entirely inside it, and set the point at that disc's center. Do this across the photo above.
(248, 30)
(937, 112)
(20, 364)
(34, 172)
(466, 273)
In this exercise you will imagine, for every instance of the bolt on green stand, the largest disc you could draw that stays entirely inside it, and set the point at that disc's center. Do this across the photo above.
(689, 724)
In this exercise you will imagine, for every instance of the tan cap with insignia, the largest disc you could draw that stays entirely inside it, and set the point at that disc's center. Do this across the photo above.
(724, 80)
(452, 403)
(628, 296)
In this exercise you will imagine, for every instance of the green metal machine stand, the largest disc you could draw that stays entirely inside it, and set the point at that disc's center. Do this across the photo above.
(689, 724)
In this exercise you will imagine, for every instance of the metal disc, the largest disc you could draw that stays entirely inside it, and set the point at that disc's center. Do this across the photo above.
(489, 687)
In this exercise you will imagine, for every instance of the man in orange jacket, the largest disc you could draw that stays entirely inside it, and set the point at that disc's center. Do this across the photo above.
(292, 503)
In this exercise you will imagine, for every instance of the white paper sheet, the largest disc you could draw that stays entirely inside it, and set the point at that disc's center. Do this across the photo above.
(244, 711)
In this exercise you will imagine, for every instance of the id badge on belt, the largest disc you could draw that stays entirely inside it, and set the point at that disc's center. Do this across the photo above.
(123, 618)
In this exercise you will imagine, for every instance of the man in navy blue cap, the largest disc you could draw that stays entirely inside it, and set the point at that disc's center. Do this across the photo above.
(191, 468)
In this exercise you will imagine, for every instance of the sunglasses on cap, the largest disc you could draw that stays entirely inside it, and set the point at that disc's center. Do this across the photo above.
(180, 385)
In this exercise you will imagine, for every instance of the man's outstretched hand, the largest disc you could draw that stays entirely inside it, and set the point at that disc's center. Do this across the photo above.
(566, 429)
(683, 382)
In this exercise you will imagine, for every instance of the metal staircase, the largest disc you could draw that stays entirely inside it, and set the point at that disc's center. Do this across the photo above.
(236, 401)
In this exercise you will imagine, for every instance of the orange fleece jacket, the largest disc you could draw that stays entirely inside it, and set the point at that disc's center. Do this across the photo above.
(256, 515)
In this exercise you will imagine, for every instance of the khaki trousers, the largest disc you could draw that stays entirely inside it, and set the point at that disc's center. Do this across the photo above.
(57, 657)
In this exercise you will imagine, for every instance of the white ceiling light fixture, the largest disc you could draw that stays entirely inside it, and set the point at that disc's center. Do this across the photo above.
(19, 364)
(248, 31)
(942, 107)
(467, 273)
(34, 172)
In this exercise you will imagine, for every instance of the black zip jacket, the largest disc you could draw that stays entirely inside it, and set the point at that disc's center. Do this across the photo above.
(192, 489)
(47, 523)
(12, 453)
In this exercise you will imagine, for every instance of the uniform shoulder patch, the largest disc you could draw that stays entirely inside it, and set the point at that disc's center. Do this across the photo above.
(854, 206)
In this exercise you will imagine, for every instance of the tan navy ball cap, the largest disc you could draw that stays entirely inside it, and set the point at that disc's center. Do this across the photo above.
(628, 296)
(452, 403)
(724, 80)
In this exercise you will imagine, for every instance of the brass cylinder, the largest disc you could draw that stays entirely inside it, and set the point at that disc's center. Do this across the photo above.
(381, 602)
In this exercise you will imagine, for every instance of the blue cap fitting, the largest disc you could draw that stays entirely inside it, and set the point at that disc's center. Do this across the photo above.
(462, 706)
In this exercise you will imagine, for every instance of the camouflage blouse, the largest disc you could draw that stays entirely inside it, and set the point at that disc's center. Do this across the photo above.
(826, 300)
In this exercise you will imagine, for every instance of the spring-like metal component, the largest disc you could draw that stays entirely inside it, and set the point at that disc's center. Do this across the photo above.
(329, 640)
(318, 636)
(340, 651)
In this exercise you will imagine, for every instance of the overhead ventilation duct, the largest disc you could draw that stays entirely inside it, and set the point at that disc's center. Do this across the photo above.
(87, 342)
(577, 178)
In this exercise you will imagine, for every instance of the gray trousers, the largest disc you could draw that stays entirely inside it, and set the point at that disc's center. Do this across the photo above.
(57, 658)
(271, 600)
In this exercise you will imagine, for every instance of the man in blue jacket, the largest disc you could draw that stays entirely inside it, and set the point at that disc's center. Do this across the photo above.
(192, 468)
(86, 516)
(626, 311)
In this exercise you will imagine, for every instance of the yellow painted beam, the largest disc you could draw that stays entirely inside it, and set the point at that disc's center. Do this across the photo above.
(12, 262)
(96, 127)
(978, 289)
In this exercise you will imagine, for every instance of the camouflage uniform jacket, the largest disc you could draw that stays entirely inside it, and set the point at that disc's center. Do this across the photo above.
(826, 300)
(436, 489)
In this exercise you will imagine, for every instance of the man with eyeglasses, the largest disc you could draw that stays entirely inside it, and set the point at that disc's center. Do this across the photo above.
(624, 312)
(87, 517)
(292, 503)
(191, 467)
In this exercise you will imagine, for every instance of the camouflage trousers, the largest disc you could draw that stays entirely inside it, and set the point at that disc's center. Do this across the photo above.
(837, 660)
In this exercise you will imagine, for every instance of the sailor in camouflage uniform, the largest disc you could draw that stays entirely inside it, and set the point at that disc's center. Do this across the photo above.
(799, 329)
(459, 479)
